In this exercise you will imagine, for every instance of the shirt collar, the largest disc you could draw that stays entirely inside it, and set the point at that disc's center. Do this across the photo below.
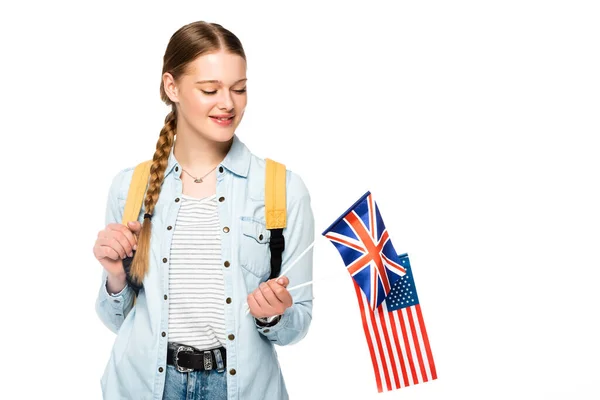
(237, 159)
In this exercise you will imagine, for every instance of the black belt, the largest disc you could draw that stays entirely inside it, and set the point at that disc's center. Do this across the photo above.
(186, 358)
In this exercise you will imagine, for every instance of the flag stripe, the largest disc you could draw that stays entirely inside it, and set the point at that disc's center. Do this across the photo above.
(394, 322)
(417, 348)
(379, 347)
(426, 342)
(334, 237)
(407, 347)
(361, 306)
(392, 361)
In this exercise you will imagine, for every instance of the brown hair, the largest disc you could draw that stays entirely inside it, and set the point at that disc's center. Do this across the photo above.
(187, 44)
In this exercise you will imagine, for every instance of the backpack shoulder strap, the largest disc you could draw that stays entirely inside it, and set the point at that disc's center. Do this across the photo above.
(131, 212)
(137, 188)
(275, 211)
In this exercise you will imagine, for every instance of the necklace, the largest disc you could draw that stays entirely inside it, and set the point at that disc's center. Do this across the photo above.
(199, 180)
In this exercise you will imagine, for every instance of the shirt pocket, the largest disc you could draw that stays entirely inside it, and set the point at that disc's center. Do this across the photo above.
(255, 255)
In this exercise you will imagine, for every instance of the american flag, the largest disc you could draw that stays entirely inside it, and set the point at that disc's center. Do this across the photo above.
(396, 335)
(363, 241)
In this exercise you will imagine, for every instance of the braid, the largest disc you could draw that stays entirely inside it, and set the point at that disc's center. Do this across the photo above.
(140, 263)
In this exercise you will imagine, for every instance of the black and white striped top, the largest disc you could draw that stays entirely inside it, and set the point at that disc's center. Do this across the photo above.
(196, 290)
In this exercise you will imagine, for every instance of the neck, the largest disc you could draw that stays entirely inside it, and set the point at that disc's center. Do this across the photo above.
(198, 155)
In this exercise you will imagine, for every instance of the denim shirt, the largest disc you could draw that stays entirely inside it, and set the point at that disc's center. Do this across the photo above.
(137, 364)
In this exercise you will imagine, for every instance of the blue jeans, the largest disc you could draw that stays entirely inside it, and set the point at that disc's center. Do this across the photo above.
(195, 385)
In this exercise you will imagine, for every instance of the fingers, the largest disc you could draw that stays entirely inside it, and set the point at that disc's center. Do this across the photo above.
(120, 246)
(255, 309)
(283, 281)
(269, 299)
(105, 252)
(119, 238)
(135, 226)
(119, 231)
(278, 291)
(265, 307)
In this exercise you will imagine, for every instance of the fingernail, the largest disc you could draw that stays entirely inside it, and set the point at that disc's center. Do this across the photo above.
(280, 281)
(131, 254)
(135, 246)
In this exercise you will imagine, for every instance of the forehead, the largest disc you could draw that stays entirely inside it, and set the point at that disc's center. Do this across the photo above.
(222, 66)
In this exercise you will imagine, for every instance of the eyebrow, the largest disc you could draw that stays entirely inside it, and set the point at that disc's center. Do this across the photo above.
(218, 81)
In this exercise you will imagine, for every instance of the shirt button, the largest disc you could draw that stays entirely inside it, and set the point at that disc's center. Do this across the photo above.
(266, 331)
(165, 296)
(232, 371)
(220, 169)
(163, 334)
(221, 199)
(169, 227)
(176, 168)
(228, 300)
(260, 237)
(226, 263)
(231, 337)
(116, 301)
(160, 369)
(177, 200)
(164, 260)
(226, 229)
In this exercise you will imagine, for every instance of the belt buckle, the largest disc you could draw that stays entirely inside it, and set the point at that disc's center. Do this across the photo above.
(208, 365)
(176, 358)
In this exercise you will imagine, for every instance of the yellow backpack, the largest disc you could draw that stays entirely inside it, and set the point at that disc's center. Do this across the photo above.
(275, 206)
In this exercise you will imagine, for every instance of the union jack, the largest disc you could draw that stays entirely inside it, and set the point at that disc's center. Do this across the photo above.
(363, 241)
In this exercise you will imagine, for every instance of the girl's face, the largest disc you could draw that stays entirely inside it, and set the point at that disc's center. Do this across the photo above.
(211, 95)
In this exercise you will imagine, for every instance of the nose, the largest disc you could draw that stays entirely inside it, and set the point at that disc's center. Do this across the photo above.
(225, 102)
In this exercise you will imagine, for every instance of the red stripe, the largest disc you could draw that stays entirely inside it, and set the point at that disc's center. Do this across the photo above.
(361, 305)
(380, 347)
(393, 315)
(411, 364)
(415, 338)
(426, 342)
(389, 345)
(344, 242)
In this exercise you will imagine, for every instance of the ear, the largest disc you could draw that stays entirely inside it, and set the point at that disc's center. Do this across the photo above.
(170, 87)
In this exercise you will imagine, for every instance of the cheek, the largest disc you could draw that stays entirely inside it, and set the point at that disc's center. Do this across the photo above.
(200, 104)
(240, 102)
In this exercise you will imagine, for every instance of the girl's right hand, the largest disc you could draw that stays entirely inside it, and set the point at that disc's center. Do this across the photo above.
(114, 243)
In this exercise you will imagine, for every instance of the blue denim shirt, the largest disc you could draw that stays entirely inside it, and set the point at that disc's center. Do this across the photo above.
(137, 364)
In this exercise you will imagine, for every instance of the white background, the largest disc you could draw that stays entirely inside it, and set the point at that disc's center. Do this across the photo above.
(474, 124)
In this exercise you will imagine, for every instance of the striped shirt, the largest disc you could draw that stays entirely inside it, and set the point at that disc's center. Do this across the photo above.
(196, 289)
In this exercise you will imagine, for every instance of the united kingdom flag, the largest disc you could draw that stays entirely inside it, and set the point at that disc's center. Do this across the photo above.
(364, 244)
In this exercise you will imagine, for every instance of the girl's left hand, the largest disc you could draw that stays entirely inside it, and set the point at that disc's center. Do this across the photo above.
(271, 298)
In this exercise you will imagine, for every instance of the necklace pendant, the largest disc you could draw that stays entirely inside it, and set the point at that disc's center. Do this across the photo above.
(198, 180)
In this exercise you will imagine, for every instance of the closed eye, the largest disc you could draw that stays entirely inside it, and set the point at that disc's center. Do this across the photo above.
(239, 91)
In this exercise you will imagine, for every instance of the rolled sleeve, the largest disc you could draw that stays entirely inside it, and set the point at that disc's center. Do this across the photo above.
(113, 308)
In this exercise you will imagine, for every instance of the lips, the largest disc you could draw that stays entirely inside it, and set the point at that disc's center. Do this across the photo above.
(222, 117)
(223, 120)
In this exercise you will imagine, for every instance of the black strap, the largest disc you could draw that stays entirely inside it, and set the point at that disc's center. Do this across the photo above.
(127, 267)
(276, 245)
